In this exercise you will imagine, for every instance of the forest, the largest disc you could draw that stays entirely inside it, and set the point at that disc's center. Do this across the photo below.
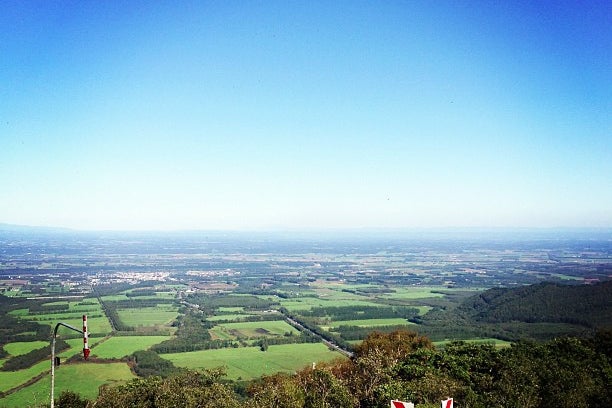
(539, 312)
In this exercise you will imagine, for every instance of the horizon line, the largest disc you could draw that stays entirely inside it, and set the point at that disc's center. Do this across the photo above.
(373, 229)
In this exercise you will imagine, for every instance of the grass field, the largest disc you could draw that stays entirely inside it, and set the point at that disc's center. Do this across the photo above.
(250, 362)
(84, 378)
(308, 303)
(148, 316)
(229, 316)
(112, 298)
(498, 343)
(11, 379)
(234, 309)
(410, 293)
(338, 294)
(19, 312)
(76, 347)
(368, 322)
(98, 325)
(86, 305)
(119, 346)
(423, 309)
(252, 329)
(24, 347)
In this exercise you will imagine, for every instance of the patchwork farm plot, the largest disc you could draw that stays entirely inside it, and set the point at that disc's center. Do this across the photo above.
(12, 379)
(252, 330)
(70, 313)
(30, 385)
(84, 377)
(250, 362)
(219, 304)
(159, 315)
(121, 346)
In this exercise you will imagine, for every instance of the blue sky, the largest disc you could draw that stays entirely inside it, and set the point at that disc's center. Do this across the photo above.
(291, 115)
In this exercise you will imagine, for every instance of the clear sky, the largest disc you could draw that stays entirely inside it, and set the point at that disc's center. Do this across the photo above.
(283, 114)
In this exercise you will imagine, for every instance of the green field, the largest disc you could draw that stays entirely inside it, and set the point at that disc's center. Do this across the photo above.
(113, 298)
(19, 312)
(308, 303)
(84, 378)
(24, 347)
(119, 346)
(148, 316)
(368, 322)
(229, 316)
(410, 293)
(97, 324)
(252, 329)
(497, 342)
(233, 309)
(11, 379)
(336, 293)
(85, 305)
(250, 362)
(423, 309)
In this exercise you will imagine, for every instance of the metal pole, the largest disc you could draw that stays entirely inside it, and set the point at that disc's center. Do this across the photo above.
(53, 357)
(53, 365)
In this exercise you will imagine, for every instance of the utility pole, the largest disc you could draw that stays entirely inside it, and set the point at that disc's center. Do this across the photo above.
(85, 350)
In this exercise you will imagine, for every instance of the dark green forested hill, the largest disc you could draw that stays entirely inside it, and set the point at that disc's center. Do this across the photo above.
(540, 312)
(586, 305)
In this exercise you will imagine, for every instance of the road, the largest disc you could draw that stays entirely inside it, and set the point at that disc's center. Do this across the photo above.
(328, 343)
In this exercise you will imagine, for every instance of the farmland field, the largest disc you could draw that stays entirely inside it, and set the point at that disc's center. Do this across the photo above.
(229, 316)
(370, 322)
(98, 325)
(252, 329)
(97, 321)
(119, 346)
(497, 342)
(23, 347)
(308, 303)
(76, 346)
(251, 362)
(85, 378)
(412, 293)
(114, 298)
(19, 312)
(148, 316)
(231, 309)
(11, 379)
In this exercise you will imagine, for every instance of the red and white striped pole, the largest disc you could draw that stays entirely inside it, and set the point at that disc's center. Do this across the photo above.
(447, 403)
(85, 338)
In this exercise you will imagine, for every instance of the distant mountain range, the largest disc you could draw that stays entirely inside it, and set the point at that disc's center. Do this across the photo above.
(434, 233)
(31, 228)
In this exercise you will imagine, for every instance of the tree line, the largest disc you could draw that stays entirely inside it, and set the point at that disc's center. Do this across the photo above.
(538, 312)
(29, 359)
(361, 312)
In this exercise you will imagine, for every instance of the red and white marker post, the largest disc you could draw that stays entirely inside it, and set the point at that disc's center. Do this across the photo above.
(55, 362)
(85, 338)
(401, 404)
(447, 403)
